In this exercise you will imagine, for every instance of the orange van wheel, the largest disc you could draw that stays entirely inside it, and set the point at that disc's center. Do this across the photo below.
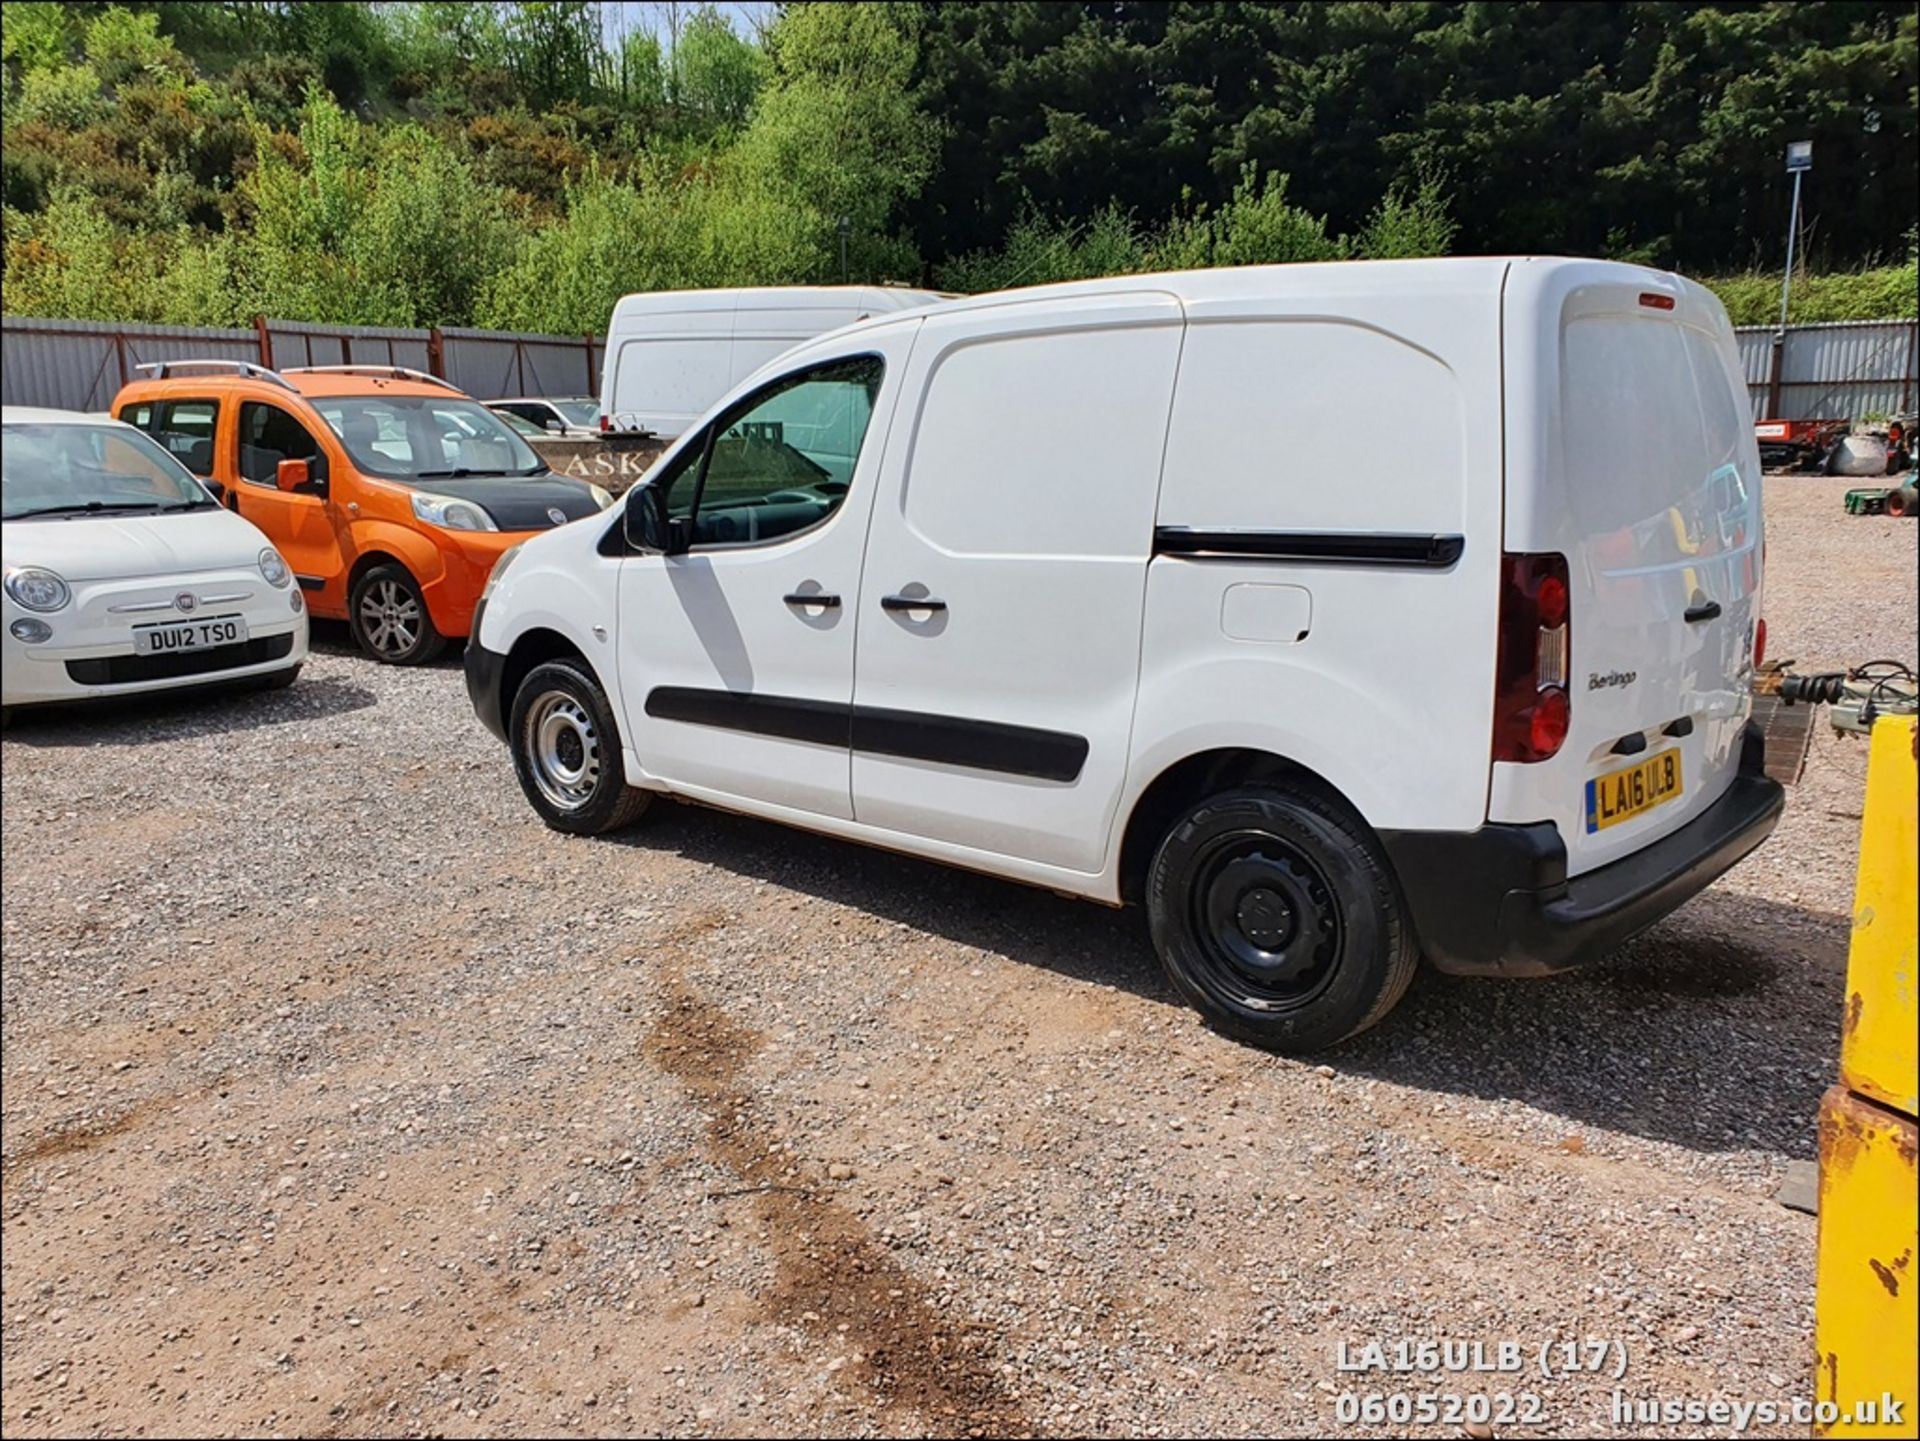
(389, 618)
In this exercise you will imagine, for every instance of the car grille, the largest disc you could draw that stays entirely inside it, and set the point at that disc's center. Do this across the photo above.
(125, 669)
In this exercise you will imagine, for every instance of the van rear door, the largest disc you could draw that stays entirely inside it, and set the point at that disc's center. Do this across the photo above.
(1631, 454)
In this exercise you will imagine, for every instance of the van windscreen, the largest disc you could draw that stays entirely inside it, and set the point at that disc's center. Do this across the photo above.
(403, 437)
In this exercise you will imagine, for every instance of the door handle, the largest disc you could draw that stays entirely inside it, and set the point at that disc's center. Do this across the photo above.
(1706, 610)
(819, 598)
(911, 602)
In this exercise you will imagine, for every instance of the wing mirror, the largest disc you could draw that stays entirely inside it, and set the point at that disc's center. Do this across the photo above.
(552, 427)
(292, 474)
(648, 525)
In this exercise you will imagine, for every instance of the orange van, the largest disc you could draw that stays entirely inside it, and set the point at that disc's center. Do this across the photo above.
(390, 492)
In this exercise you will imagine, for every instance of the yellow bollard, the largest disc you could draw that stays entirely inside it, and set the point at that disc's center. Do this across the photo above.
(1867, 1305)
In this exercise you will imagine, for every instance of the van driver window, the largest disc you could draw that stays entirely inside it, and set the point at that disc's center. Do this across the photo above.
(781, 461)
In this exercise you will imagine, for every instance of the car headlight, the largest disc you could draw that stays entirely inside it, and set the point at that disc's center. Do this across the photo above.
(450, 512)
(499, 569)
(37, 589)
(273, 568)
(602, 497)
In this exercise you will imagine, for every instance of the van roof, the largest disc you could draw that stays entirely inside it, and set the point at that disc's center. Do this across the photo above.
(1333, 279)
(45, 415)
(776, 297)
(310, 384)
(1330, 277)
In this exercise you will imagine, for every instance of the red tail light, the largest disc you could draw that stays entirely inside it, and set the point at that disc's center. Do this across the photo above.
(605, 425)
(1759, 642)
(1531, 707)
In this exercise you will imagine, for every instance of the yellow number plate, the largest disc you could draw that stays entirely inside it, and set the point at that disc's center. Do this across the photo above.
(1621, 795)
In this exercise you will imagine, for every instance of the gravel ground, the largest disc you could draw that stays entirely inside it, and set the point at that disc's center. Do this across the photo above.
(340, 1096)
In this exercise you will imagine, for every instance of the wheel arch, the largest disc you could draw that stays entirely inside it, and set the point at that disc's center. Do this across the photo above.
(1190, 780)
(533, 647)
(367, 560)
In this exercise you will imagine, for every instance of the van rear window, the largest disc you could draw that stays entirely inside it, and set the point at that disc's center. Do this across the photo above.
(1647, 419)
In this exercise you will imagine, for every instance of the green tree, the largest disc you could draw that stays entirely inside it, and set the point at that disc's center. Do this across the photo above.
(715, 73)
(838, 132)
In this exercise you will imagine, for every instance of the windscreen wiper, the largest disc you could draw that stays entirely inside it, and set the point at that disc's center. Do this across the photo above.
(463, 472)
(91, 507)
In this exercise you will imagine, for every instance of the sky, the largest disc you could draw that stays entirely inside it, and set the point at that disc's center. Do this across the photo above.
(626, 16)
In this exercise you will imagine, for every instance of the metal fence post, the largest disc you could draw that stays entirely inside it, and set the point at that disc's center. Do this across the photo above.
(1775, 368)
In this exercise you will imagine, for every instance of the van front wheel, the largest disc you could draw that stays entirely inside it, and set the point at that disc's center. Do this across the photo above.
(566, 751)
(1275, 912)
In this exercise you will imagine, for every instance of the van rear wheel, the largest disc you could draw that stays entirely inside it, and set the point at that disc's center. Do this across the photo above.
(1276, 914)
(566, 751)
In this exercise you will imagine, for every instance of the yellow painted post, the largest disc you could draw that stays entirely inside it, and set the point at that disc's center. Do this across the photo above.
(1867, 1306)
(1879, 1056)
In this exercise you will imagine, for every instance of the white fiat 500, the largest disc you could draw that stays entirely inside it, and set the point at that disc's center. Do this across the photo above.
(123, 574)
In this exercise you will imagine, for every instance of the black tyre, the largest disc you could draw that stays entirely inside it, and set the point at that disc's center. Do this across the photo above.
(566, 751)
(389, 618)
(1275, 912)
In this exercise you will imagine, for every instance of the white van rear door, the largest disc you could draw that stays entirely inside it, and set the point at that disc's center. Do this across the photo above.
(1630, 452)
(666, 366)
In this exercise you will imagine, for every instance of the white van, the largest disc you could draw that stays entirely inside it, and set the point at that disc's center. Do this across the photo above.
(672, 353)
(1100, 587)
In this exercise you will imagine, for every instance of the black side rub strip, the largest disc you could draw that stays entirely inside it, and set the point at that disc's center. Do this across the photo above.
(982, 745)
(1314, 547)
(819, 722)
(911, 735)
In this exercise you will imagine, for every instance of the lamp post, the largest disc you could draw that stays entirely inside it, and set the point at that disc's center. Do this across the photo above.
(846, 229)
(1799, 162)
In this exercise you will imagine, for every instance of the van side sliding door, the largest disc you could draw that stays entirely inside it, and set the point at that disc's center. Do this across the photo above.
(1000, 607)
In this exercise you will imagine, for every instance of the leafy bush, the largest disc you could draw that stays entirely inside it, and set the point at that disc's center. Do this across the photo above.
(125, 46)
(36, 35)
(1885, 292)
(67, 97)
(1410, 221)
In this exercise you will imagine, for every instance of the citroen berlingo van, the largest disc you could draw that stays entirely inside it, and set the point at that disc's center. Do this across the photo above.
(1113, 587)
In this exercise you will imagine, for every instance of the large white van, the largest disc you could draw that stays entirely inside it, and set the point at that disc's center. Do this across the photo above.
(1100, 587)
(673, 353)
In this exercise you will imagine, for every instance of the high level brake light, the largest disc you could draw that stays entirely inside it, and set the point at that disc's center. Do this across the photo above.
(1531, 706)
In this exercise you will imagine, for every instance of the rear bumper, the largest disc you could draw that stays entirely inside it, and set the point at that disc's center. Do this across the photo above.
(1497, 901)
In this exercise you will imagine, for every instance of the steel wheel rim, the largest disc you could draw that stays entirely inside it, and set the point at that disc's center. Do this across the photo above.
(390, 617)
(1267, 922)
(563, 750)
